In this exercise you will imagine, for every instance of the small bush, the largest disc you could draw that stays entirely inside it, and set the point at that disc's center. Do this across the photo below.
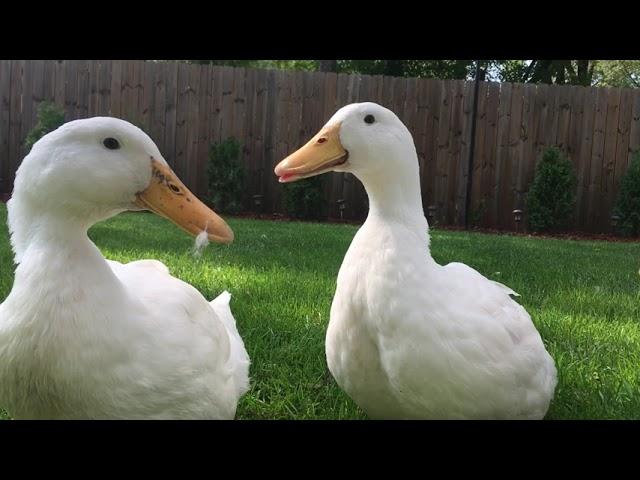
(552, 194)
(477, 214)
(50, 117)
(628, 203)
(226, 176)
(304, 199)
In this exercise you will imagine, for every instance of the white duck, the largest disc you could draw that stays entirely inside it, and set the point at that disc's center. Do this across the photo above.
(408, 338)
(88, 338)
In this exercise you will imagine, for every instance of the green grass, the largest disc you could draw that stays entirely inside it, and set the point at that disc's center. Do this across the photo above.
(583, 296)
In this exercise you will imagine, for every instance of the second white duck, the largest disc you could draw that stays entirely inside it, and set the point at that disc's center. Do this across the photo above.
(407, 337)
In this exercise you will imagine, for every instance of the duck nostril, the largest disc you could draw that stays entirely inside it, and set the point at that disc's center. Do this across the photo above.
(322, 140)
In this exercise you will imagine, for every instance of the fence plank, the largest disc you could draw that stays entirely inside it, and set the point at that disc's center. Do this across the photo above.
(454, 158)
(93, 80)
(15, 118)
(634, 129)
(203, 141)
(525, 144)
(622, 143)
(181, 120)
(257, 171)
(28, 108)
(608, 165)
(504, 112)
(586, 145)
(597, 157)
(442, 146)
(465, 147)
(171, 92)
(192, 115)
(82, 102)
(270, 144)
(510, 168)
(59, 87)
(115, 97)
(479, 160)
(5, 109)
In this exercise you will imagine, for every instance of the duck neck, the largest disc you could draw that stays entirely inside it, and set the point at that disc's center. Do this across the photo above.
(54, 244)
(396, 198)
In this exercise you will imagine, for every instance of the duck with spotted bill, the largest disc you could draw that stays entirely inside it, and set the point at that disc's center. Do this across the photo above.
(82, 337)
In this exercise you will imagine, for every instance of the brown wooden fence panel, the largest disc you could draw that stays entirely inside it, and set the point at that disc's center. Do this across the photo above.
(185, 108)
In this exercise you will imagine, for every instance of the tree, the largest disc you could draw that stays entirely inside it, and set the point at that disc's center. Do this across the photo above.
(551, 197)
(308, 65)
(617, 73)
(628, 202)
(573, 72)
(50, 117)
(445, 69)
(328, 65)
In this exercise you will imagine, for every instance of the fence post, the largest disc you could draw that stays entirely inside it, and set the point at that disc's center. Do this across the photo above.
(472, 146)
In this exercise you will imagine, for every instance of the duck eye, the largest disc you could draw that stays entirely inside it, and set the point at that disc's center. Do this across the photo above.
(111, 143)
(369, 119)
(174, 188)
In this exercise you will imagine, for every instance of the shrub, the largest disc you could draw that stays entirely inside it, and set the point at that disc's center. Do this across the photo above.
(628, 203)
(225, 176)
(50, 117)
(552, 194)
(304, 199)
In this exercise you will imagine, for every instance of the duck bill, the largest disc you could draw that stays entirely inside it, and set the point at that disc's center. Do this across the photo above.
(321, 154)
(168, 197)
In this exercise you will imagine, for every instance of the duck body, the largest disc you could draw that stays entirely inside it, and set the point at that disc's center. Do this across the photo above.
(410, 339)
(82, 337)
(116, 354)
(407, 337)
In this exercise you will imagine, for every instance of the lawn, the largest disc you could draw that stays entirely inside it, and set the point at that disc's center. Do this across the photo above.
(584, 298)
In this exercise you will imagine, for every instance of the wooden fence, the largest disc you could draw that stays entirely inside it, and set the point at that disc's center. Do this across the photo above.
(185, 108)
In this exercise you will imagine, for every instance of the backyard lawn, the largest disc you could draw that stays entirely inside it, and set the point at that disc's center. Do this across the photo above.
(584, 297)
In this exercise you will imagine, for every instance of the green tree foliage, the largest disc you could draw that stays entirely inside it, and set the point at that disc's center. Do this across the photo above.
(610, 73)
(308, 65)
(445, 69)
(561, 72)
(617, 73)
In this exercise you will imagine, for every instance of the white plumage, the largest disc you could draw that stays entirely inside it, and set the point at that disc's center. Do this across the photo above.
(408, 338)
(84, 337)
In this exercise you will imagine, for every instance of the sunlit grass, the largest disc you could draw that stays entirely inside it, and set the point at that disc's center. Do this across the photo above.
(583, 296)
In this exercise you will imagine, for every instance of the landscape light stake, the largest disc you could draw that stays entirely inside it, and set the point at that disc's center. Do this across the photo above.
(257, 202)
(341, 207)
(517, 216)
(431, 214)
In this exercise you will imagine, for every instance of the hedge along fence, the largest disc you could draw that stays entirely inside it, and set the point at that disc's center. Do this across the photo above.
(185, 108)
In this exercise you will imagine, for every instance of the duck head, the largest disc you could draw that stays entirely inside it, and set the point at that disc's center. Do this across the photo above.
(94, 168)
(365, 139)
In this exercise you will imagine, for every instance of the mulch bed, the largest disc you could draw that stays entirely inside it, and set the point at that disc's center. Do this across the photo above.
(574, 235)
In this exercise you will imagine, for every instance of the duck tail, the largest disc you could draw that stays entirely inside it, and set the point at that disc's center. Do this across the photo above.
(238, 357)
